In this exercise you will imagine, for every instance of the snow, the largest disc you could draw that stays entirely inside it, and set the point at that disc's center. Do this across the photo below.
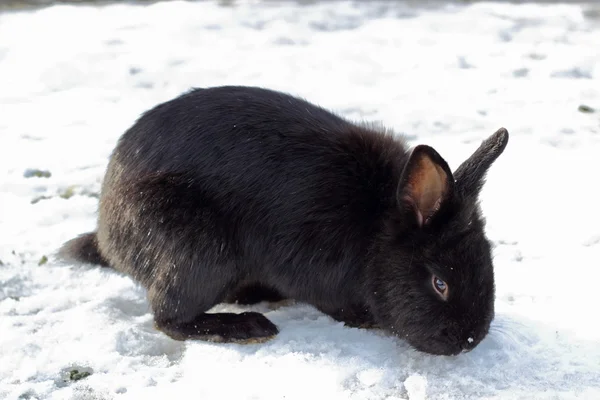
(73, 78)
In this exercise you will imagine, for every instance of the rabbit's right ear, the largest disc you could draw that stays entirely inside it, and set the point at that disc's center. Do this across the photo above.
(471, 173)
(426, 183)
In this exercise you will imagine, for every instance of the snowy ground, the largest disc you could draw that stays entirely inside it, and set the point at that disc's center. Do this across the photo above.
(72, 79)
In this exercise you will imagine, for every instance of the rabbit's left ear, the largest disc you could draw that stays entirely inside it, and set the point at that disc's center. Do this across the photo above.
(426, 183)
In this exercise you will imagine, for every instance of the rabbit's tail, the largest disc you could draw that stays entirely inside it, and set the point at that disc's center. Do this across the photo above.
(83, 249)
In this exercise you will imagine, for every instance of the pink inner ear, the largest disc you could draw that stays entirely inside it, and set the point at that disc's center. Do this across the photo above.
(426, 189)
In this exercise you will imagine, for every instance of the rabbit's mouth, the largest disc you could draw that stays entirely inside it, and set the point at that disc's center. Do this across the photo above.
(442, 347)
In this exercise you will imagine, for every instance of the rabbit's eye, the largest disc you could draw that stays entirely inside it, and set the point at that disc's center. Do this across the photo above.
(440, 286)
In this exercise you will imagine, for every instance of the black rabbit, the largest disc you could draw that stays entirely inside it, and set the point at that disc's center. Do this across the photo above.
(243, 193)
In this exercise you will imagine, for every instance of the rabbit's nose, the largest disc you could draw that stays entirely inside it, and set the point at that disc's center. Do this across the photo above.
(468, 344)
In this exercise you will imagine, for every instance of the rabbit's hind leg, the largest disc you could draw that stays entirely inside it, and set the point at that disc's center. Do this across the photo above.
(185, 255)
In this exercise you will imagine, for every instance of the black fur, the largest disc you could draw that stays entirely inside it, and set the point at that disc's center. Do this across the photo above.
(246, 194)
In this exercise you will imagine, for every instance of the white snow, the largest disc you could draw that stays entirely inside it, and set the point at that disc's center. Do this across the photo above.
(73, 78)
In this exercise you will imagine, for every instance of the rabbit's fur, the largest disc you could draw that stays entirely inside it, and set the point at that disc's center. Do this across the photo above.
(243, 193)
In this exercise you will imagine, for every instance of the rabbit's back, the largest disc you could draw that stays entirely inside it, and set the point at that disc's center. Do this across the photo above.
(298, 190)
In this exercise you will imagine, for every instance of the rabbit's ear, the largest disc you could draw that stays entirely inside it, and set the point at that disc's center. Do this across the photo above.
(471, 173)
(426, 183)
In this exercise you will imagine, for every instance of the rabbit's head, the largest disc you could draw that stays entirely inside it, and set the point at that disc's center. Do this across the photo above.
(432, 274)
